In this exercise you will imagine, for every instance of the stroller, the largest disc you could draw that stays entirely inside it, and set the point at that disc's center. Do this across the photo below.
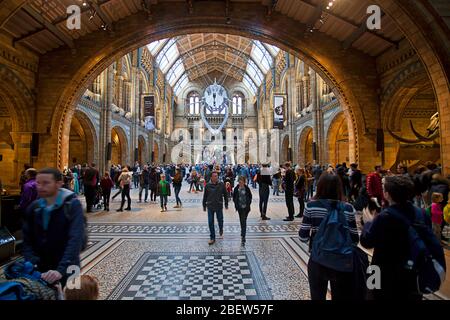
(98, 201)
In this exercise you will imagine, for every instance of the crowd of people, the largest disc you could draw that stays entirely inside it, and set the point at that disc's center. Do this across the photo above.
(331, 200)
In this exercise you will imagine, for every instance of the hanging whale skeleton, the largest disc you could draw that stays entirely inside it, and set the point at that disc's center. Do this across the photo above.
(433, 132)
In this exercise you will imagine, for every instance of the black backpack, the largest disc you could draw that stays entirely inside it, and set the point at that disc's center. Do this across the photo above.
(426, 257)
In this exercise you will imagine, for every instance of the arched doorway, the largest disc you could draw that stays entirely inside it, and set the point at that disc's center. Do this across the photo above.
(155, 152)
(285, 150)
(142, 150)
(83, 144)
(119, 154)
(337, 140)
(305, 145)
(6, 144)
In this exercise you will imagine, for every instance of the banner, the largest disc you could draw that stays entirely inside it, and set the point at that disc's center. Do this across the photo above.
(149, 112)
(278, 109)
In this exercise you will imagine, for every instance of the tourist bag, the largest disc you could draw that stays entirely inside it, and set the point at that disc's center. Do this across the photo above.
(426, 259)
(332, 245)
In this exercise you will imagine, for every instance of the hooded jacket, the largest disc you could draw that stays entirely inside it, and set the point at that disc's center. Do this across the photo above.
(55, 242)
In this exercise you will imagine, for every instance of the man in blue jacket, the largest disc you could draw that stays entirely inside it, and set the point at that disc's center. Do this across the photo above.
(54, 228)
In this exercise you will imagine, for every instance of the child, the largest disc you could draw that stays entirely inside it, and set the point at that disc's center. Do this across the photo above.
(229, 189)
(437, 213)
(163, 191)
(106, 184)
(88, 290)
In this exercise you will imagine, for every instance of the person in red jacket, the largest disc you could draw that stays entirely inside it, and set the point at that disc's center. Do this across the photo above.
(374, 184)
(106, 184)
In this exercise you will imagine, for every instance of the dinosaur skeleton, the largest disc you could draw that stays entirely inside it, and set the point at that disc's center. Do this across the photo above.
(433, 132)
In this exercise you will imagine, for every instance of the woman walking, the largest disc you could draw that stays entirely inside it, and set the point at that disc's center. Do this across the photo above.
(300, 190)
(242, 198)
(177, 182)
(106, 184)
(330, 261)
(153, 178)
(125, 182)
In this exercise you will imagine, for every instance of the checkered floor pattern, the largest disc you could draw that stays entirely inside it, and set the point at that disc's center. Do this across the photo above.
(193, 276)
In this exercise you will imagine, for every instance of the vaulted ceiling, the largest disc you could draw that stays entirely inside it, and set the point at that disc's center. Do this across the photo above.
(41, 24)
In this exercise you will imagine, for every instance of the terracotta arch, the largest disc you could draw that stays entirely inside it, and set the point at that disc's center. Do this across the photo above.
(120, 148)
(155, 152)
(305, 146)
(85, 129)
(284, 154)
(336, 144)
(142, 150)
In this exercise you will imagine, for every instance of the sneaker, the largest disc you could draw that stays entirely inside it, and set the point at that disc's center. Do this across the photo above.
(162, 209)
(211, 242)
(265, 218)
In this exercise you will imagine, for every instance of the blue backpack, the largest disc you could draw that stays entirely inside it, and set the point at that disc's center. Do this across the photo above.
(332, 245)
(426, 256)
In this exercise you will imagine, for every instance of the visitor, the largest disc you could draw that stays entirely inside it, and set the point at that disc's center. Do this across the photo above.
(437, 213)
(300, 190)
(264, 182)
(329, 196)
(90, 180)
(54, 228)
(289, 180)
(163, 192)
(125, 185)
(316, 172)
(29, 190)
(214, 196)
(75, 186)
(177, 182)
(153, 184)
(355, 179)
(242, 198)
(374, 185)
(276, 182)
(193, 181)
(144, 183)
(387, 234)
(106, 185)
(23, 176)
(136, 174)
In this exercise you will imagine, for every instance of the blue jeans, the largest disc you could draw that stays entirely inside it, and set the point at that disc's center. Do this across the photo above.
(276, 186)
(177, 194)
(212, 230)
(163, 199)
(142, 188)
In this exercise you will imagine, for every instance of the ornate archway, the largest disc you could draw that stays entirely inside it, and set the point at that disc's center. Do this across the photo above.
(119, 142)
(142, 150)
(284, 155)
(155, 152)
(83, 143)
(305, 144)
(337, 140)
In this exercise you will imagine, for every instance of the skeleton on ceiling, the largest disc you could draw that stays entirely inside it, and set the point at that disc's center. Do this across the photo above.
(432, 132)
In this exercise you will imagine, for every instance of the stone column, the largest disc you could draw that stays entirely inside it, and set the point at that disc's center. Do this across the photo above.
(134, 107)
(315, 115)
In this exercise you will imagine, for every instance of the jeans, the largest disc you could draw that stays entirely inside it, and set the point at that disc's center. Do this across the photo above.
(106, 196)
(264, 193)
(212, 231)
(163, 199)
(177, 190)
(89, 193)
(341, 282)
(243, 214)
(301, 201)
(126, 193)
(289, 196)
(143, 187)
(153, 194)
(276, 187)
(136, 181)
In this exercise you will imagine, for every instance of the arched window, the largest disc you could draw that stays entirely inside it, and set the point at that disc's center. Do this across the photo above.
(194, 103)
(238, 100)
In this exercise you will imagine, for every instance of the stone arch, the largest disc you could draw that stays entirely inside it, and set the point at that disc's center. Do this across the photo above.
(155, 151)
(284, 154)
(83, 141)
(305, 146)
(119, 142)
(142, 150)
(337, 140)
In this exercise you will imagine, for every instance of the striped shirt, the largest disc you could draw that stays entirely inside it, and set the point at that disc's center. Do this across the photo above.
(315, 212)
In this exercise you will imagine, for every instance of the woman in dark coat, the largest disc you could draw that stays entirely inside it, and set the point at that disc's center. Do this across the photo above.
(242, 198)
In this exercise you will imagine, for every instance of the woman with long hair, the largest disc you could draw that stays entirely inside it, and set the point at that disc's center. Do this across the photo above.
(125, 183)
(328, 199)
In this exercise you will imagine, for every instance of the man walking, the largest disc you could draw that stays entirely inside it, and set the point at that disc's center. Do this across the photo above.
(289, 180)
(213, 197)
(144, 182)
(54, 228)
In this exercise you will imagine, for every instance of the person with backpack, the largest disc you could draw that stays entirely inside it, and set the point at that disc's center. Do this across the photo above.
(54, 229)
(329, 225)
(405, 250)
